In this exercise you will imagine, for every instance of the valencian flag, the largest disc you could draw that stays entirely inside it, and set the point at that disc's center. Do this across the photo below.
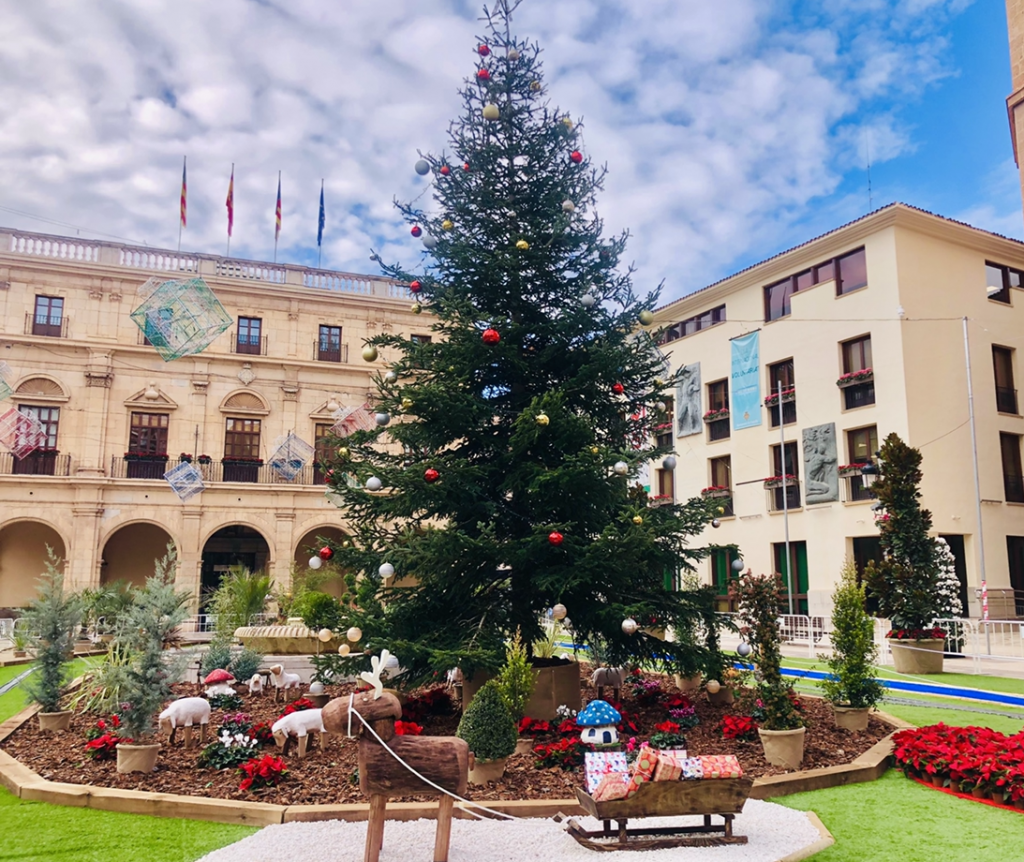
(322, 219)
(277, 212)
(230, 202)
(184, 194)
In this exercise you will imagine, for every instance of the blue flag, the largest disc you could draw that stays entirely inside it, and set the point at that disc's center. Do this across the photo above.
(320, 222)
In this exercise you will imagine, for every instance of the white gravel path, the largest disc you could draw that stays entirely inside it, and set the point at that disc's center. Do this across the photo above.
(773, 831)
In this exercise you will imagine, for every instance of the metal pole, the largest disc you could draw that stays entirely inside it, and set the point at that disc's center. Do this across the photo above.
(785, 503)
(977, 481)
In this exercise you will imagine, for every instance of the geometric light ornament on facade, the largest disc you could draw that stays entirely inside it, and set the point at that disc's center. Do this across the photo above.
(5, 380)
(185, 480)
(290, 455)
(179, 317)
(348, 420)
(21, 433)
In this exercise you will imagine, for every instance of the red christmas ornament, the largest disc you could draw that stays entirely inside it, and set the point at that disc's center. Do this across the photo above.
(445, 170)
(431, 475)
(415, 286)
(491, 336)
(416, 230)
(483, 75)
(483, 50)
(555, 538)
(618, 388)
(326, 553)
(576, 156)
(465, 167)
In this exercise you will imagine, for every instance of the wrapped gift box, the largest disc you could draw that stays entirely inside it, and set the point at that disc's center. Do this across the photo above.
(597, 764)
(643, 769)
(613, 785)
(692, 769)
(721, 766)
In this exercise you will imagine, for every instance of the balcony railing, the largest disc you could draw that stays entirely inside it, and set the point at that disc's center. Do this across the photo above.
(855, 490)
(720, 429)
(141, 467)
(859, 395)
(39, 463)
(1013, 487)
(788, 412)
(250, 346)
(330, 353)
(214, 472)
(1006, 399)
(44, 325)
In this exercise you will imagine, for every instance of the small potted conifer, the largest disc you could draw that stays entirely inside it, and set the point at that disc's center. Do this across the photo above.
(489, 729)
(516, 682)
(851, 686)
(51, 620)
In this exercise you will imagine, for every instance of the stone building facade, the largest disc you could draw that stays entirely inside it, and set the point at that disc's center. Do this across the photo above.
(117, 416)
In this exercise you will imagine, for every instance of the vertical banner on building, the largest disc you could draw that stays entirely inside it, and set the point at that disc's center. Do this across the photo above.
(746, 381)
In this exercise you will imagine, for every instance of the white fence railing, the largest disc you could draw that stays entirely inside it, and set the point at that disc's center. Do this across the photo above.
(199, 624)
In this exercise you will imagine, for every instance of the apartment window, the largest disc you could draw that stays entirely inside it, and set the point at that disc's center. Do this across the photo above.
(722, 575)
(250, 338)
(329, 344)
(861, 444)
(867, 549)
(849, 273)
(420, 339)
(42, 461)
(1013, 476)
(704, 320)
(148, 434)
(781, 374)
(999, 279)
(1015, 557)
(859, 390)
(852, 272)
(663, 425)
(792, 468)
(48, 319)
(718, 401)
(242, 439)
(721, 477)
(797, 564)
(322, 455)
(1006, 394)
(665, 485)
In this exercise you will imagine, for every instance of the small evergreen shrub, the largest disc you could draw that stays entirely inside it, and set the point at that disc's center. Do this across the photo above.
(216, 657)
(319, 611)
(516, 679)
(487, 725)
(246, 663)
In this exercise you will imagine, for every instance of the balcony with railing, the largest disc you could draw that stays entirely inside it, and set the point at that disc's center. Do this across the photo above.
(48, 327)
(771, 403)
(42, 462)
(782, 494)
(248, 345)
(330, 352)
(214, 472)
(138, 467)
(1006, 399)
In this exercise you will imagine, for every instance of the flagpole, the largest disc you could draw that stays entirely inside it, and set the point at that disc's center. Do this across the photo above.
(320, 228)
(181, 205)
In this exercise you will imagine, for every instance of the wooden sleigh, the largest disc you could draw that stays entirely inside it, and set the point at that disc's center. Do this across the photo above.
(721, 797)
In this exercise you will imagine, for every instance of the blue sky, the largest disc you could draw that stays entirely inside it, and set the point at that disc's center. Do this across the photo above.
(732, 130)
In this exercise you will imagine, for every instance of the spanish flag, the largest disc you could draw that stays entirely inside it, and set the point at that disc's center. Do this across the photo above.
(184, 195)
(230, 202)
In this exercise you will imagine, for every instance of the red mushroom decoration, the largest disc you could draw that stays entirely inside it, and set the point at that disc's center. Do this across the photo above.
(218, 675)
(491, 336)
(555, 538)
(326, 553)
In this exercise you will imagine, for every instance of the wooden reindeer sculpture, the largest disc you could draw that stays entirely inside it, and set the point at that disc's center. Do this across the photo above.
(443, 760)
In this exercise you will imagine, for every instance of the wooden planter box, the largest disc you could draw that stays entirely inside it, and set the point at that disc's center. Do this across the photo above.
(778, 483)
(718, 417)
(718, 495)
(867, 378)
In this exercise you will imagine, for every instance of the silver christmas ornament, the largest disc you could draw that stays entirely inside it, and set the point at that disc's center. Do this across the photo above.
(513, 54)
(390, 377)
(374, 484)
(422, 167)
(737, 565)
(588, 300)
(661, 406)
(386, 570)
(382, 418)
(716, 523)
(669, 462)
(568, 206)
(429, 243)
(621, 467)
(629, 626)
(744, 649)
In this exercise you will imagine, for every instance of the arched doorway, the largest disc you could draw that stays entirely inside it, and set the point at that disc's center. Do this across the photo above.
(308, 546)
(23, 559)
(131, 552)
(232, 546)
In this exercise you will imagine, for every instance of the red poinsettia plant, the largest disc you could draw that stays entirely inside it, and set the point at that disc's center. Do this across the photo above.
(916, 634)
(533, 726)
(103, 738)
(260, 772)
(567, 754)
(297, 706)
(738, 727)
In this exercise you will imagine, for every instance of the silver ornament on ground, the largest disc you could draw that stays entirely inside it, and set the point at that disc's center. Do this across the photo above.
(422, 167)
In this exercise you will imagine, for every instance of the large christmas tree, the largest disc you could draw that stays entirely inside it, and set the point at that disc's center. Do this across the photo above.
(514, 437)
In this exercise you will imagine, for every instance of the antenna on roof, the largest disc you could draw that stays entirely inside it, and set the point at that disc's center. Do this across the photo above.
(871, 199)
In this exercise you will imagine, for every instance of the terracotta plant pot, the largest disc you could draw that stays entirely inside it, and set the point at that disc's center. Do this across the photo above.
(939, 780)
(851, 717)
(917, 657)
(723, 696)
(783, 748)
(524, 745)
(319, 700)
(55, 720)
(137, 758)
(687, 683)
(979, 792)
(483, 771)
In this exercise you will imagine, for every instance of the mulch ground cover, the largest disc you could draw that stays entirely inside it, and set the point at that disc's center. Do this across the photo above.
(329, 775)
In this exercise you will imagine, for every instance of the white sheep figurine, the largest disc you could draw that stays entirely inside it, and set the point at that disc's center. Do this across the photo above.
(283, 681)
(256, 684)
(186, 712)
(298, 724)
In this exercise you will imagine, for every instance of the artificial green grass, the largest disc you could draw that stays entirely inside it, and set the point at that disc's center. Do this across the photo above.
(38, 832)
(895, 819)
(15, 700)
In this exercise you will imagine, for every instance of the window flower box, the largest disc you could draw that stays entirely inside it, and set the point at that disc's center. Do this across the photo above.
(716, 492)
(850, 470)
(855, 378)
(204, 459)
(185, 458)
(716, 415)
(787, 396)
(145, 456)
(779, 481)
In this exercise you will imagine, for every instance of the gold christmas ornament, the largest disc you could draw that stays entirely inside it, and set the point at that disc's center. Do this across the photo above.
(447, 224)
(595, 450)
(637, 520)
(406, 403)
(721, 510)
(713, 686)
(343, 452)
(369, 353)
(416, 308)
(344, 649)
(325, 635)
(567, 122)
(522, 245)
(646, 317)
(513, 54)
(659, 382)
(535, 86)
(542, 419)
(491, 111)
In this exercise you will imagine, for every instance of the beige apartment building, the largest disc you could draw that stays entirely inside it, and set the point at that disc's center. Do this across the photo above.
(863, 327)
(116, 416)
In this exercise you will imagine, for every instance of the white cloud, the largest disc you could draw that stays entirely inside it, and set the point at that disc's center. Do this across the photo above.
(721, 122)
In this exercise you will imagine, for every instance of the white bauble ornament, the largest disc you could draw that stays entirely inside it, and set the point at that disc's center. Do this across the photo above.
(374, 484)
(325, 635)
(661, 407)
(391, 663)
(491, 111)
(646, 317)
(422, 167)
(315, 562)
(588, 300)
(669, 462)
(344, 649)
(354, 634)
(713, 686)
(737, 565)
(429, 242)
(629, 626)
(390, 377)
(369, 353)
(386, 570)
(568, 206)
(513, 54)
(559, 611)
(316, 688)
(744, 649)
(382, 418)
(621, 467)
(716, 523)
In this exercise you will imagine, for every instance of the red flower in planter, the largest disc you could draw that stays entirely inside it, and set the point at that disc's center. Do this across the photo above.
(667, 727)
(407, 728)
(266, 771)
(533, 727)
(738, 727)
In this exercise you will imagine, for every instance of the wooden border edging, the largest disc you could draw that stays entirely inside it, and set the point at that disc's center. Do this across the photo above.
(826, 840)
(28, 785)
